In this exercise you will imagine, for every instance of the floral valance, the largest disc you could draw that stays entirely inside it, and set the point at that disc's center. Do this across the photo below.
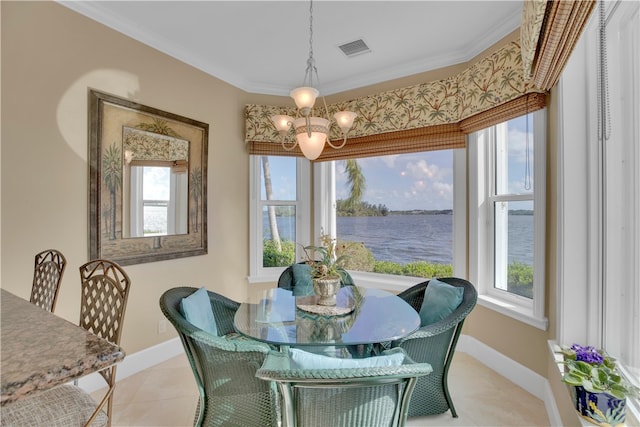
(494, 80)
(143, 145)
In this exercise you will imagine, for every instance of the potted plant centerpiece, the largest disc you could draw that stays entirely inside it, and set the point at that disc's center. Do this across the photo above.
(599, 391)
(327, 269)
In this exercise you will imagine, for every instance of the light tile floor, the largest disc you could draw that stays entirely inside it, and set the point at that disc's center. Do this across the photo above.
(166, 395)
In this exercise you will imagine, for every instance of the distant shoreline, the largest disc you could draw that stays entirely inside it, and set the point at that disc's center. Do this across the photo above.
(423, 212)
(450, 212)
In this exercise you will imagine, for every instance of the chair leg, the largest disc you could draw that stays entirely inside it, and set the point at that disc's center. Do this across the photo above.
(445, 386)
(110, 408)
(106, 399)
(447, 365)
(110, 376)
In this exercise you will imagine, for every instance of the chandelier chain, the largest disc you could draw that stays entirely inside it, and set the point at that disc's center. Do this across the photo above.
(311, 63)
(311, 29)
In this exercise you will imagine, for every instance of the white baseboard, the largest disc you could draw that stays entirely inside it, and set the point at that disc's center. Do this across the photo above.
(135, 363)
(513, 371)
(518, 374)
(550, 405)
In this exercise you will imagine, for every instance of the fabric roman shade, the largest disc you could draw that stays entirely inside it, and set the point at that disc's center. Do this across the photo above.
(510, 110)
(407, 141)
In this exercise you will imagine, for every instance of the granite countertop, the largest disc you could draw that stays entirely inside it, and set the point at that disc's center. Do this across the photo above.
(40, 350)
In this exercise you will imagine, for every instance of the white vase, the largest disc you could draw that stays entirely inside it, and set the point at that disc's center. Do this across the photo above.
(326, 289)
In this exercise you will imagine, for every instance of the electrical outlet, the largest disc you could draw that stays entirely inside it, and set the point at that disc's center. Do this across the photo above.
(162, 326)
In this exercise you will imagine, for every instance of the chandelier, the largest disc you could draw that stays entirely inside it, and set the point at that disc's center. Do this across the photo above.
(311, 132)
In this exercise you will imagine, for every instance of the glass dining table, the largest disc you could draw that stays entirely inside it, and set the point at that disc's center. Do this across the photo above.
(362, 317)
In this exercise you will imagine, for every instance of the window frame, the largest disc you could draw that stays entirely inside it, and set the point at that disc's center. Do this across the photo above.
(324, 220)
(481, 224)
(583, 201)
(258, 273)
(176, 204)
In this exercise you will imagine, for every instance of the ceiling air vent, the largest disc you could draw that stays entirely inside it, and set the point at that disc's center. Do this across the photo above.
(354, 48)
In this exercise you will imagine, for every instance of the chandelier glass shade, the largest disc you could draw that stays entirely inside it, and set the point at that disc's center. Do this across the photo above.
(311, 132)
(304, 97)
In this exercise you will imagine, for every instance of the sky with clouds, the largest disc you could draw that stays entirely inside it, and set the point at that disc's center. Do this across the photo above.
(404, 182)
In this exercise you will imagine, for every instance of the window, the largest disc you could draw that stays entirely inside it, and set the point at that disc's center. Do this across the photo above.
(329, 186)
(279, 214)
(425, 183)
(507, 216)
(402, 221)
(158, 201)
(599, 218)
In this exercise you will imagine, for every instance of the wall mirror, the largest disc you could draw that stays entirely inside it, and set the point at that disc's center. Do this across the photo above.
(147, 182)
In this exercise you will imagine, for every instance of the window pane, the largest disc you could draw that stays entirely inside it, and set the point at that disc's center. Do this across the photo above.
(514, 157)
(155, 218)
(278, 178)
(403, 222)
(279, 231)
(513, 247)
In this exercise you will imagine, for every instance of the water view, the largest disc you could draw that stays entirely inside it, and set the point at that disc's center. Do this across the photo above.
(408, 238)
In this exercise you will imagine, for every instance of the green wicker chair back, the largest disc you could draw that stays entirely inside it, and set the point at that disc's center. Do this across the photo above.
(435, 344)
(224, 367)
(351, 397)
(286, 280)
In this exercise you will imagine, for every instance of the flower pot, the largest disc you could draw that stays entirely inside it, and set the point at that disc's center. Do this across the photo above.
(326, 290)
(599, 408)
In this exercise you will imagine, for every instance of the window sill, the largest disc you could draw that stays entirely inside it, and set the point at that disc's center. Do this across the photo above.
(514, 311)
(264, 278)
(386, 282)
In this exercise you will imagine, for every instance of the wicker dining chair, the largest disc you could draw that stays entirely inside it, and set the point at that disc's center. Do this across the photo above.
(104, 293)
(223, 365)
(288, 280)
(354, 396)
(47, 276)
(435, 344)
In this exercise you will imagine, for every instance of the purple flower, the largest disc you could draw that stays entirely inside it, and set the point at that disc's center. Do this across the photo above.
(587, 354)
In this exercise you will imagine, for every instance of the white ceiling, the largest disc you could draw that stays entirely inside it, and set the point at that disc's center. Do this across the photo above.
(262, 46)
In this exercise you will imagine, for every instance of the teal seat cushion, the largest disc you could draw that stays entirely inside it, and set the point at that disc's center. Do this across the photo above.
(440, 300)
(302, 281)
(304, 360)
(196, 308)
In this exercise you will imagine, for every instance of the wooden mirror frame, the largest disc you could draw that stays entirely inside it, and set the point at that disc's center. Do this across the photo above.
(108, 115)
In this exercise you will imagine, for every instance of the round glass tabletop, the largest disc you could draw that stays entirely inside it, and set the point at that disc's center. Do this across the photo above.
(372, 316)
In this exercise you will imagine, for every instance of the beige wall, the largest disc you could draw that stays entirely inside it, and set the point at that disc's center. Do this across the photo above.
(50, 57)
